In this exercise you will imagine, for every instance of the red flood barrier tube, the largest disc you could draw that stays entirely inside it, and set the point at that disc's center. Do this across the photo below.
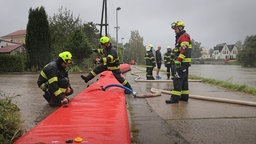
(94, 116)
(125, 67)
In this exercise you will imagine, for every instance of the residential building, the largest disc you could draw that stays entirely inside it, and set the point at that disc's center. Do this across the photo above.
(17, 36)
(224, 51)
(13, 43)
(205, 53)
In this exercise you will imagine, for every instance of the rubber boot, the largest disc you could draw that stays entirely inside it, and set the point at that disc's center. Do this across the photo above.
(184, 97)
(173, 99)
(87, 78)
(128, 86)
(47, 96)
(84, 78)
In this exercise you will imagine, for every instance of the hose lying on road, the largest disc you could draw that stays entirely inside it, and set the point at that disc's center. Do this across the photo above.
(137, 80)
(224, 100)
(136, 95)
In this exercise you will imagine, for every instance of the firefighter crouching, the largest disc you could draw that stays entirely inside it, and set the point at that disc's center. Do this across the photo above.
(54, 80)
(109, 61)
(182, 62)
(150, 62)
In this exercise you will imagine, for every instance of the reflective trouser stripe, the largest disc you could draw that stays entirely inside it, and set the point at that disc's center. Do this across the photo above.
(113, 68)
(185, 92)
(57, 92)
(93, 73)
(177, 93)
(125, 82)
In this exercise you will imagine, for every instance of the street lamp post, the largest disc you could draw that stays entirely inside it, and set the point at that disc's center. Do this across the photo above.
(117, 27)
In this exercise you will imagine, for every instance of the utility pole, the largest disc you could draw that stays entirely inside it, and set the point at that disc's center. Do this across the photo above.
(117, 27)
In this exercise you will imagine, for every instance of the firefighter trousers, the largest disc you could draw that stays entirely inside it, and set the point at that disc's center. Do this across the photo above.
(181, 88)
(117, 74)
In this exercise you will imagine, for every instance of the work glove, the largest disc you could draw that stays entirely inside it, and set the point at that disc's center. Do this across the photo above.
(65, 101)
(177, 64)
(69, 91)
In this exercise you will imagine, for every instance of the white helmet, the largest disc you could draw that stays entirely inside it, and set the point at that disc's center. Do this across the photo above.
(149, 47)
(168, 46)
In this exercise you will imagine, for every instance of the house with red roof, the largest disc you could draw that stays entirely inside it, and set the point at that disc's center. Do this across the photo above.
(18, 36)
(13, 43)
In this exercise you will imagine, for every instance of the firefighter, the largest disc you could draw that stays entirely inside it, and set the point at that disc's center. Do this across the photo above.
(150, 62)
(158, 61)
(168, 62)
(182, 63)
(109, 61)
(54, 80)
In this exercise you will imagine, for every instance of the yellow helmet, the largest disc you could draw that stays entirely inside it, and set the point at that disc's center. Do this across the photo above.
(66, 56)
(104, 39)
(177, 24)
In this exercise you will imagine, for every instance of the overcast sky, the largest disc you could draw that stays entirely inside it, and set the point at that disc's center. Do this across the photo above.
(207, 21)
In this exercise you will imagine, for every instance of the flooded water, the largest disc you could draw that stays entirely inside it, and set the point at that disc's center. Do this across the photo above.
(230, 73)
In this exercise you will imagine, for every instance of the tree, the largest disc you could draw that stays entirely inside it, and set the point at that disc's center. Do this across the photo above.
(38, 42)
(136, 50)
(62, 25)
(79, 46)
(247, 55)
(91, 33)
(196, 49)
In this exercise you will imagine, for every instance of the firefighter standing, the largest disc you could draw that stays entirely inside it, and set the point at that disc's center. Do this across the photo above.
(150, 62)
(158, 61)
(109, 61)
(168, 62)
(182, 62)
(54, 81)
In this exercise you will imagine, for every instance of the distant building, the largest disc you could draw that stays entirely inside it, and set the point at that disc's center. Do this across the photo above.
(205, 53)
(13, 43)
(224, 51)
(17, 36)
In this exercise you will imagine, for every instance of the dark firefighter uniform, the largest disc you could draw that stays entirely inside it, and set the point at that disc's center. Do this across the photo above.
(150, 62)
(169, 63)
(182, 63)
(54, 81)
(109, 61)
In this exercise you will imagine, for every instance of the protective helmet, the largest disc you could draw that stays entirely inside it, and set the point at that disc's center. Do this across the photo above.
(66, 56)
(149, 47)
(169, 48)
(104, 39)
(177, 24)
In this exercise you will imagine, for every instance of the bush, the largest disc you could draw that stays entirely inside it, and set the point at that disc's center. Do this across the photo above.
(9, 121)
(12, 63)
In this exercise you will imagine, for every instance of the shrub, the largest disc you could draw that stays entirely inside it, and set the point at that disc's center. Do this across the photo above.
(9, 121)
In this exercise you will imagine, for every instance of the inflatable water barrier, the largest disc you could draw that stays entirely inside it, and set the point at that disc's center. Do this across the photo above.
(95, 116)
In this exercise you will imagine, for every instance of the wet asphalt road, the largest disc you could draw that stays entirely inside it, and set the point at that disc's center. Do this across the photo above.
(195, 122)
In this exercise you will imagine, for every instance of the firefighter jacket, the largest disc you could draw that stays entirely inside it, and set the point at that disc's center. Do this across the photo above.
(183, 47)
(158, 57)
(168, 58)
(109, 58)
(150, 59)
(49, 78)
